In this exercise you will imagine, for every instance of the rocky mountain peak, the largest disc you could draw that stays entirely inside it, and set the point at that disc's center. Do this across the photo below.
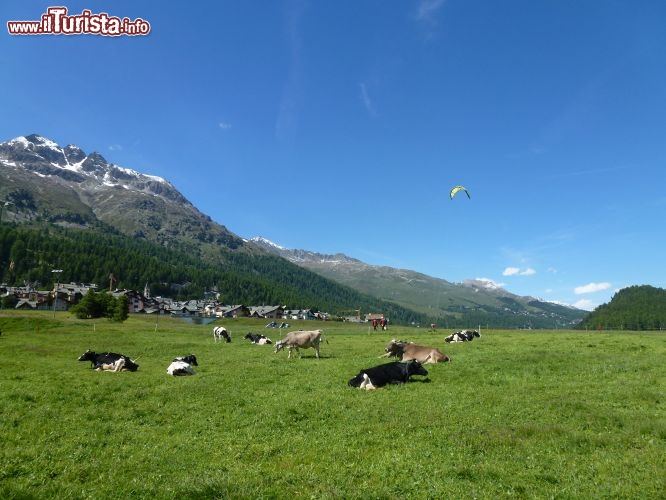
(69, 186)
(46, 158)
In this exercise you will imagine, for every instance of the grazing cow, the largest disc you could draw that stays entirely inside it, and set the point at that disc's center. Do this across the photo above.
(300, 340)
(257, 338)
(220, 332)
(462, 336)
(109, 361)
(406, 351)
(182, 365)
(388, 373)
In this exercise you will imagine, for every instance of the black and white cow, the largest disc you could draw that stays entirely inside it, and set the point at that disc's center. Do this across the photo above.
(182, 365)
(462, 336)
(257, 338)
(220, 332)
(388, 373)
(109, 361)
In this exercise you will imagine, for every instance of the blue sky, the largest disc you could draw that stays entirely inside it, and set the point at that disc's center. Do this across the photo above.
(341, 126)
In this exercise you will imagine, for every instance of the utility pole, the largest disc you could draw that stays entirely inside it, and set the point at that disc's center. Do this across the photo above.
(55, 293)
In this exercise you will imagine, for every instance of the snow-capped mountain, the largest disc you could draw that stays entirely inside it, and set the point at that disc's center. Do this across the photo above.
(302, 256)
(46, 158)
(65, 185)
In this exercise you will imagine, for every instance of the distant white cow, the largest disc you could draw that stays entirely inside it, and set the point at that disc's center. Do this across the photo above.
(257, 338)
(220, 332)
(462, 336)
(300, 340)
(182, 365)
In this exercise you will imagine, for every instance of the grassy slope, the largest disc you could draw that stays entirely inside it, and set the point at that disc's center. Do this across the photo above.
(532, 415)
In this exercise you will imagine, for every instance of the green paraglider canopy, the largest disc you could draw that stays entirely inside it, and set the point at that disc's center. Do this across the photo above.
(459, 188)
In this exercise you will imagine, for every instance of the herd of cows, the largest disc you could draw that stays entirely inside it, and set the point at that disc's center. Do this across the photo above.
(411, 357)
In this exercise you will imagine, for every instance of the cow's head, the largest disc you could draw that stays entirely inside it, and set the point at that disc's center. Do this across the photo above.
(415, 368)
(87, 356)
(190, 359)
(279, 345)
(395, 348)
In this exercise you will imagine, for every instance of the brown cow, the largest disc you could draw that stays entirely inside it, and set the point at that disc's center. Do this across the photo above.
(406, 351)
(300, 340)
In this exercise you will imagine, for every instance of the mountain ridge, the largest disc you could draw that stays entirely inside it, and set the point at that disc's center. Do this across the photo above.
(424, 293)
(142, 206)
(67, 187)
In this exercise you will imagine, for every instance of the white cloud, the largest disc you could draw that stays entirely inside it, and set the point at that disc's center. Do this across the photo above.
(365, 98)
(115, 147)
(516, 271)
(427, 9)
(591, 288)
(510, 271)
(585, 304)
(224, 125)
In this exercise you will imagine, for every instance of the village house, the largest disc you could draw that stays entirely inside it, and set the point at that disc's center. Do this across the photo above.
(373, 316)
(271, 312)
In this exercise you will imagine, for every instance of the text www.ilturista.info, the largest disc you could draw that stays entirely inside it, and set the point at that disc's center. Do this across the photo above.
(56, 22)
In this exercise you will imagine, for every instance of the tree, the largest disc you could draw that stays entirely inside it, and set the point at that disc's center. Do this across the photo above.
(120, 309)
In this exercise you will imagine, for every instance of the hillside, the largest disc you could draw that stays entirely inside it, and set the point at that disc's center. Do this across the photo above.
(91, 256)
(67, 186)
(471, 302)
(633, 308)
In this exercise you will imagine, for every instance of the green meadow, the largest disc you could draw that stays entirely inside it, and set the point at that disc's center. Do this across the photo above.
(515, 414)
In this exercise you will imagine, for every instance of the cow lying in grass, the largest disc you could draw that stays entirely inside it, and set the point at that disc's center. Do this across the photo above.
(406, 351)
(109, 361)
(257, 338)
(388, 373)
(182, 366)
(462, 336)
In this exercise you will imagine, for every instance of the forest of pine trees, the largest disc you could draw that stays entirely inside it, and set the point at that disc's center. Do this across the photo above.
(633, 308)
(29, 253)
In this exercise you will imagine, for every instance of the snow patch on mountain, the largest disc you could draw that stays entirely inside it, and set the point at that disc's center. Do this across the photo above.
(267, 242)
(45, 158)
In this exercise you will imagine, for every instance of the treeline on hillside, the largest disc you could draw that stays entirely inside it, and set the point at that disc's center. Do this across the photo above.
(29, 254)
(633, 308)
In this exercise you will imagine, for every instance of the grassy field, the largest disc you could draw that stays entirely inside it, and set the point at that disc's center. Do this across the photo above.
(541, 414)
